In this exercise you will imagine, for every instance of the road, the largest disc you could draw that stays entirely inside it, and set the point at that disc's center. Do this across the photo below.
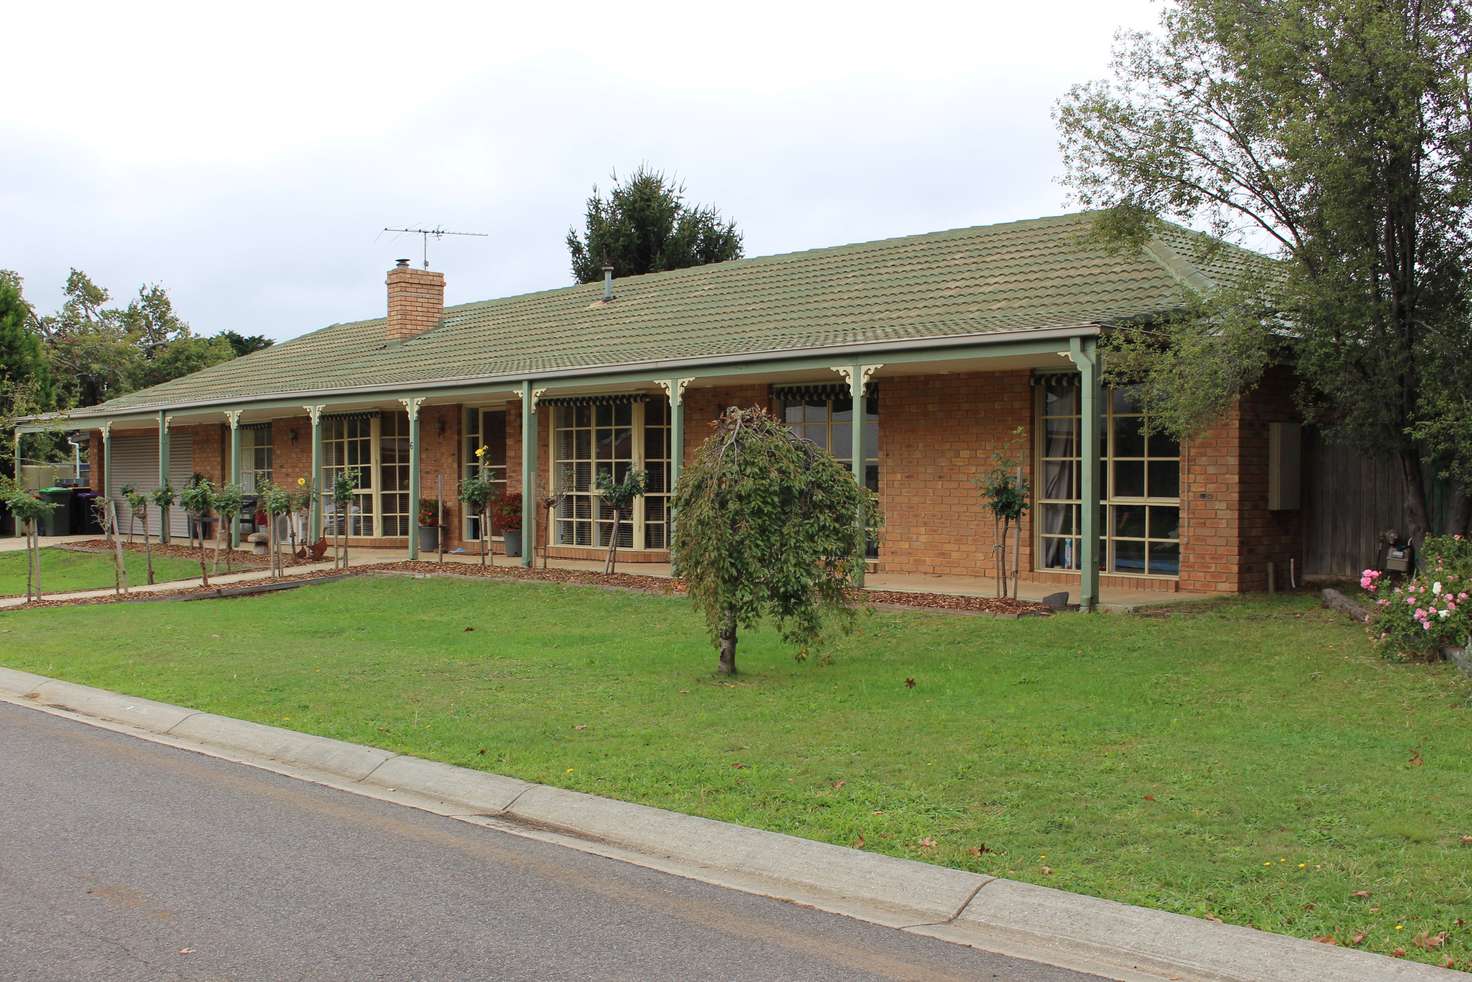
(124, 859)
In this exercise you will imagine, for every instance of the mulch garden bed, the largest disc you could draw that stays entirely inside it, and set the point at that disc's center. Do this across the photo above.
(991, 606)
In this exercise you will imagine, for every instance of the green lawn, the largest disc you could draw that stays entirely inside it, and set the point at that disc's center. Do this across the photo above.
(1249, 761)
(63, 570)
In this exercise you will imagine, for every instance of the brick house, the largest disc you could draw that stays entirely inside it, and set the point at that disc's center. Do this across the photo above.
(955, 346)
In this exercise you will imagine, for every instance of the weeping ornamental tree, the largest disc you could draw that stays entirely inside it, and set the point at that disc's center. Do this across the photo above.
(768, 524)
(1336, 132)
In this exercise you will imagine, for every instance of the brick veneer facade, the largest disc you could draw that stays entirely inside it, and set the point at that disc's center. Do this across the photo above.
(937, 437)
(416, 298)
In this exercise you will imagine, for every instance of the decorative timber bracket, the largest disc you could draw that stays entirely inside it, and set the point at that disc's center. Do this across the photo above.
(866, 373)
(314, 413)
(674, 389)
(411, 406)
(233, 416)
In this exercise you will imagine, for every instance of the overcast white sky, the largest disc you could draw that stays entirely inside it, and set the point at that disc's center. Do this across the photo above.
(246, 156)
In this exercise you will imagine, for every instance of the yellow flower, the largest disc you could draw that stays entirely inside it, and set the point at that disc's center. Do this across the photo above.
(480, 451)
(1268, 863)
(1400, 927)
(301, 482)
(1303, 865)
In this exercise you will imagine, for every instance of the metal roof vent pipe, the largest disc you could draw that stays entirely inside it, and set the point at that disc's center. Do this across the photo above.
(607, 284)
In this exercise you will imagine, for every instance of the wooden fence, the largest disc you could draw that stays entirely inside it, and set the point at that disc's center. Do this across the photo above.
(1349, 498)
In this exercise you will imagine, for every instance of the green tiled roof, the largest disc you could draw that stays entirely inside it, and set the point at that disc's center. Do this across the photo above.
(1015, 277)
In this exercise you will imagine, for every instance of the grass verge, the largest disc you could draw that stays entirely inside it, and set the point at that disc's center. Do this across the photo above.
(66, 570)
(1251, 761)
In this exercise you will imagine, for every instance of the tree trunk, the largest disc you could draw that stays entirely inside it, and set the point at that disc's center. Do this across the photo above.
(999, 540)
(727, 663)
(147, 547)
(612, 558)
(204, 573)
(1417, 514)
(36, 554)
(117, 547)
(30, 563)
(485, 535)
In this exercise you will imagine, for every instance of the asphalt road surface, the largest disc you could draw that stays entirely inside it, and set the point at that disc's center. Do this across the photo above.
(124, 859)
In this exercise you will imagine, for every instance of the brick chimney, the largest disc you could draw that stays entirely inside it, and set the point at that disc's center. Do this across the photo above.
(416, 298)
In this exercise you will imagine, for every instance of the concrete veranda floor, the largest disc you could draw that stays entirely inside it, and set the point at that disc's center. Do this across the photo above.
(961, 586)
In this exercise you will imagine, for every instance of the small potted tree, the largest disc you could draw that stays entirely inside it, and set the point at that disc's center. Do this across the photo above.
(343, 487)
(198, 500)
(229, 502)
(138, 505)
(476, 493)
(1007, 494)
(28, 511)
(506, 519)
(429, 525)
(619, 496)
(164, 498)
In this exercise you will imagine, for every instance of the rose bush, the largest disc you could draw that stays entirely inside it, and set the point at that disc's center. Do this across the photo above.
(1416, 618)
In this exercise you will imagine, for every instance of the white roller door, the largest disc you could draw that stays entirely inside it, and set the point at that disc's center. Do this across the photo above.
(135, 462)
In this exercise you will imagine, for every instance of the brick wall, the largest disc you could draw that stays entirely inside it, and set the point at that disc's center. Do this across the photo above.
(440, 429)
(937, 435)
(1228, 535)
(210, 445)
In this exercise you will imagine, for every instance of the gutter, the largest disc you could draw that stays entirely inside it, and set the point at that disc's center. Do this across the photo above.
(921, 344)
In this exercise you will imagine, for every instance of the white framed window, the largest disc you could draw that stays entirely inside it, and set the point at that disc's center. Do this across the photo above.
(255, 457)
(376, 446)
(588, 439)
(1139, 484)
(484, 428)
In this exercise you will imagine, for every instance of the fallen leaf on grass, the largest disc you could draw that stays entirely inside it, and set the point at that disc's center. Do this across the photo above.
(1358, 939)
(910, 682)
(1047, 871)
(1214, 919)
(839, 784)
(1398, 953)
(859, 842)
(1309, 906)
(482, 751)
(469, 629)
(1467, 840)
(927, 843)
(1416, 758)
(981, 850)
(1449, 963)
(1325, 939)
(1360, 893)
(1149, 797)
(1426, 941)
(738, 765)
(580, 726)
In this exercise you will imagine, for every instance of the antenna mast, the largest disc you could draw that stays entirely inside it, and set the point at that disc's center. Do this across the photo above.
(438, 232)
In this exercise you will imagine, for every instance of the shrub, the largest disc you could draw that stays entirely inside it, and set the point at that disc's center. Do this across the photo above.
(1416, 618)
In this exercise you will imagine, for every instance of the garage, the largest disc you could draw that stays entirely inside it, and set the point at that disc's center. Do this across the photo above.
(135, 462)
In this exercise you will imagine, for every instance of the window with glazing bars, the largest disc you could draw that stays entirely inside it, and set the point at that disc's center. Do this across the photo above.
(1140, 484)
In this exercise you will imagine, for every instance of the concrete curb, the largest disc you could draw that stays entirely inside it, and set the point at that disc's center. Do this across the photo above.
(1018, 919)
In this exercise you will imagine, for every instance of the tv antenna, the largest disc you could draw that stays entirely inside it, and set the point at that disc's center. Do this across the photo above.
(438, 232)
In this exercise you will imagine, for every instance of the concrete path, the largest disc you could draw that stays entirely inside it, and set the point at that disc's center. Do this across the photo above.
(986, 913)
(129, 860)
